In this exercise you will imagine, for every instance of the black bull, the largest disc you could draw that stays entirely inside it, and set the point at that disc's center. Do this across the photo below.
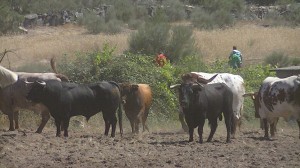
(65, 100)
(200, 102)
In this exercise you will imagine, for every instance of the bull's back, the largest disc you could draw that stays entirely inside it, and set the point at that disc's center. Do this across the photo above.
(145, 94)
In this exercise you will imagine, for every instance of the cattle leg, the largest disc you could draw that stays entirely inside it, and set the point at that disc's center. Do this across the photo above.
(228, 124)
(266, 127)
(65, 124)
(233, 125)
(58, 123)
(45, 117)
(132, 125)
(182, 121)
(144, 118)
(272, 129)
(11, 121)
(136, 125)
(107, 125)
(200, 130)
(16, 118)
(213, 128)
(191, 132)
(114, 125)
(298, 121)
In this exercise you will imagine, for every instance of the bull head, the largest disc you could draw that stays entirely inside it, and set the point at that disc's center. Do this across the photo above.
(254, 97)
(192, 77)
(35, 90)
(127, 89)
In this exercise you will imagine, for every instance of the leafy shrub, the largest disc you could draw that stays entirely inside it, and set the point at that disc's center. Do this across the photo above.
(96, 24)
(293, 16)
(174, 10)
(158, 36)
(277, 59)
(9, 19)
(149, 39)
(295, 61)
(134, 68)
(217, 14)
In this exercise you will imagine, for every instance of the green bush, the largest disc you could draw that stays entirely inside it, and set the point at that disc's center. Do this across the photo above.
(174, 10)
(150, 38)
(277, 59)
(134, 68)
(9, 19)
(217, 14)
(158, 36)
(96, 24)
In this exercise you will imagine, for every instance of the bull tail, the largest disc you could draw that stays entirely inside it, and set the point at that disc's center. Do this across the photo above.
(120, 118)
(62, 77)
(220, 117)
(53, 65)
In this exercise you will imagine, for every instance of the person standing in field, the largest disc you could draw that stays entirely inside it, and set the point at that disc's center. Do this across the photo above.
(235, 58)
(161, 59)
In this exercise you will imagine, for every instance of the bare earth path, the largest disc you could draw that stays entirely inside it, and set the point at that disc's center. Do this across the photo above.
(155, 149)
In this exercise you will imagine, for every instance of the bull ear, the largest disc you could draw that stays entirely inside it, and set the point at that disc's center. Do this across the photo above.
(174, 86)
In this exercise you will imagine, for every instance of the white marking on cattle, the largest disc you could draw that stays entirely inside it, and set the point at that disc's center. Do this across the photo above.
(235, 83)
(7, 77)
(273, 87)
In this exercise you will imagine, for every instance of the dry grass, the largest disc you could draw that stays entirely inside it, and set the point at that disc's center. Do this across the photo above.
(255, 42)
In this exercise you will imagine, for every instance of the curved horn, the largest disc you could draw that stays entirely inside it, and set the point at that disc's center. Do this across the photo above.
(174, 86)
(200, 84)
(26, 82)
(41, 83)
(205, 81)
(249, 94)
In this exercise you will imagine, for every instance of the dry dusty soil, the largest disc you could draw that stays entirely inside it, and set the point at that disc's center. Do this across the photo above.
(168, 148)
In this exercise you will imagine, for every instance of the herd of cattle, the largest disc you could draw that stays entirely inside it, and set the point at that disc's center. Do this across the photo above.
(201, 96)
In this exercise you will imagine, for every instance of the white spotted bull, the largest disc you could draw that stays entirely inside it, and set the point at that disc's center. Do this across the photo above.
(278, 98)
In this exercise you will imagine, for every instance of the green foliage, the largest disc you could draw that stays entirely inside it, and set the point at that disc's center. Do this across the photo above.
(277, 59)
(174, 10)
(96, 24)
(150, 38)
(181, 43)
(293, 16)
(124, 10)
(86, 68)
(158, 36)
(203, 19)
(9, 19)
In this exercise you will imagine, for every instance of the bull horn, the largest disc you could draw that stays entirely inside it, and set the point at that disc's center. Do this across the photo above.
(174, 86)
(26, 82)
(200, 84)
(205, 81)
(249, 94)
(41, 83)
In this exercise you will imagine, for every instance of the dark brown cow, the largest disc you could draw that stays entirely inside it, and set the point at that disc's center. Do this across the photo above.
(137, 101)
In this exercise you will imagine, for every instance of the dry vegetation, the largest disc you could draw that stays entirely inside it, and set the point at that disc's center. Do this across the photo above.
(256, 42)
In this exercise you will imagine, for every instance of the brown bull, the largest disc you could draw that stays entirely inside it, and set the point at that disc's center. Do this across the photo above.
(13, 97)
(137, 101)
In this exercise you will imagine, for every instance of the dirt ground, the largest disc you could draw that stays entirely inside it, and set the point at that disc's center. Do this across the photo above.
(158, 148)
